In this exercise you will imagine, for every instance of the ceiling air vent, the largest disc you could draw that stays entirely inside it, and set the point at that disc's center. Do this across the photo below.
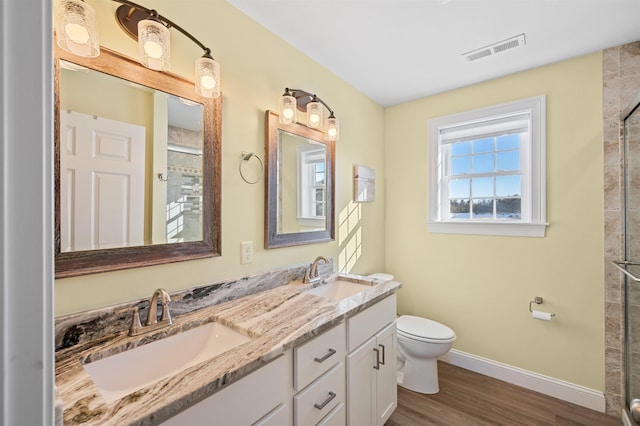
(495, 48)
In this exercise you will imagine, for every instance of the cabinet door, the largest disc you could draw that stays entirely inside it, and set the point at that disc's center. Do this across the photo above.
(361, 385)
(386, 386)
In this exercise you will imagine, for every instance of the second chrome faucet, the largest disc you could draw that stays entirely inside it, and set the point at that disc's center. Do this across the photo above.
(312, 272)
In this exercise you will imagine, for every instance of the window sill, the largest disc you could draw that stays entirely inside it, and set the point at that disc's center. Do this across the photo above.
(489, 228)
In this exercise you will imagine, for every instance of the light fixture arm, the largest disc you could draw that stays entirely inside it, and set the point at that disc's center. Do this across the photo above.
(165, 21)
(299, 93)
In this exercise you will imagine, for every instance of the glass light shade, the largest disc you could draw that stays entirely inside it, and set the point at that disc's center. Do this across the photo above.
(76, 29)
(314, 115)
(288, 106)
(207, 77)
(153, 44)
(332, 133)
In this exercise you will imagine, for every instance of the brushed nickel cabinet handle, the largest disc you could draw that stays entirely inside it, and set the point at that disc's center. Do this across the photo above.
(324, 358)
(325, 402)
(382, 362)
(377, 366)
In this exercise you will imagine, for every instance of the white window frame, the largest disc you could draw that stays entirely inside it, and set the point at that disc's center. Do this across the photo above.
(533, 168)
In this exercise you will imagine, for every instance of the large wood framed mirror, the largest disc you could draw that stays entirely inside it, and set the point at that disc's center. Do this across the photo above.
(137, 166)
(299, 206)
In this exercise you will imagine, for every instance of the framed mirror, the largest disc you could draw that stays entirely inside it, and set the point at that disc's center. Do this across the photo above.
(137, 166)
(299, 206)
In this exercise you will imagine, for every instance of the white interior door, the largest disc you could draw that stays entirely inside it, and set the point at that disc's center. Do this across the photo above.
(102, 165)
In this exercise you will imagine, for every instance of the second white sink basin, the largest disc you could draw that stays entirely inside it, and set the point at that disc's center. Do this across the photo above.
(338, 290)
(126, 372)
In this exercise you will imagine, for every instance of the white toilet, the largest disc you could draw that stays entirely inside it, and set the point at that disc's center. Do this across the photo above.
(420, 342)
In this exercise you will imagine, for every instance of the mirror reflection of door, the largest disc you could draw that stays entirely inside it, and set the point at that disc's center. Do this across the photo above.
(301, 184)
(102, 173)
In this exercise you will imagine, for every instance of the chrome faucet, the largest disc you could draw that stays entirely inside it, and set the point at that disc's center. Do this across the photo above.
(152, 322)
(312, 272)
(152, 318)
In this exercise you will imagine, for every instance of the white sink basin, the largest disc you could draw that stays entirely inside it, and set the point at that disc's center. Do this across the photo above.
(338, 290)
(126, 372)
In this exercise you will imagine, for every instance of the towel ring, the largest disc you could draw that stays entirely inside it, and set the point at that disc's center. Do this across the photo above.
(246, 156)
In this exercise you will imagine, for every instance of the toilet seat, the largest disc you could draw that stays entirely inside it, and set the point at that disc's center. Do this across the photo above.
(424, 330)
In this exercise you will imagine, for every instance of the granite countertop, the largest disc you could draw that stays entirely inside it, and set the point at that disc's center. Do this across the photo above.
(277, 319)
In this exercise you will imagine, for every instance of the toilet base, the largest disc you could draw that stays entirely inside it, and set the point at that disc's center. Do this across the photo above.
(421, 375)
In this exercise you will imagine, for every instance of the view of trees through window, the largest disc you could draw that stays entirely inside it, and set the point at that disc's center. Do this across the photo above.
(484, 178)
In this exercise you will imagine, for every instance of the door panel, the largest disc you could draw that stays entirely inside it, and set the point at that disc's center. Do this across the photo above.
(102, 165)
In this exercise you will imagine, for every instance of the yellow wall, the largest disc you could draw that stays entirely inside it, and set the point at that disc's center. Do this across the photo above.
(480, 286)
(256, 67)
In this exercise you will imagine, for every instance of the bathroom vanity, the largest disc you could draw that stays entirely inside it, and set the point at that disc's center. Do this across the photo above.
(318, 357)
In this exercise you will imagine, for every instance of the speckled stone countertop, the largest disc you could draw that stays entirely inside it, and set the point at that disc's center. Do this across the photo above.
(277, 319)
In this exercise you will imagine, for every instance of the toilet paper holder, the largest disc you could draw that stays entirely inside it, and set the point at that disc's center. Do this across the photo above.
(538, 301)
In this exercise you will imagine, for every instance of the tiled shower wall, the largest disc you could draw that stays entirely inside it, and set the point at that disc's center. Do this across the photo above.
(621, 81)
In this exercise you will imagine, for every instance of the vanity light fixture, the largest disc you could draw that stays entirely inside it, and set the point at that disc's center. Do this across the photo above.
(154, 43)
(76, 29)
(76, 32)
(296, 99)
(152, 32)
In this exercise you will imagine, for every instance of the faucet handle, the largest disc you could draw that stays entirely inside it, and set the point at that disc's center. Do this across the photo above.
(166, 315)
(136, 325)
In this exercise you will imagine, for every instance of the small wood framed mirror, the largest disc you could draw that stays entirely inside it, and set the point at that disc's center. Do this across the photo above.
(299, 202)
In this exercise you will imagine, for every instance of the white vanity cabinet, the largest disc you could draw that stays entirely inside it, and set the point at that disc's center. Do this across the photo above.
(319, 379)
(261, 398)
(371, 364)
(344, 376)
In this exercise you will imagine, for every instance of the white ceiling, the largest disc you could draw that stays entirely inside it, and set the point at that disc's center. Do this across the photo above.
(399, 50)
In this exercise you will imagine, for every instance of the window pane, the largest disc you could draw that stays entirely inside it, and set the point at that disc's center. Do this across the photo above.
(459, 188)
(482, 187)
(319, 209)
(508, 160)
(508, 186)
(320, 178)
(320, 167)
(319, 195)
(508, 208)
(509, 141)
(483, 208)
(460, 165)
(483, 163)
(459, 209)
(461, 148)
(483, 145)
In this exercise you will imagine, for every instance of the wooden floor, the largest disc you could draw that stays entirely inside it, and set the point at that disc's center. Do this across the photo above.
(469, 399)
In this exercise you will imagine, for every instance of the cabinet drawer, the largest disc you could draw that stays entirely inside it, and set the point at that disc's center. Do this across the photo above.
(318, 399)
(277, 417)
(337, 417)
(362, 326)
(317, 356)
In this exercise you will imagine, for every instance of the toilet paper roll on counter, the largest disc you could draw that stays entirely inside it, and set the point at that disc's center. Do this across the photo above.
(545, 316)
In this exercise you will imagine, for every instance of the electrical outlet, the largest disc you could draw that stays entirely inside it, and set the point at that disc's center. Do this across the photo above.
(246, 252)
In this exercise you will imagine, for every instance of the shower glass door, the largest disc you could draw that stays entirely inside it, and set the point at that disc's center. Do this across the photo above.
(632, 257)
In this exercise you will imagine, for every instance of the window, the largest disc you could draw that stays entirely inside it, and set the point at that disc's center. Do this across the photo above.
(487, 170)
(312, 186)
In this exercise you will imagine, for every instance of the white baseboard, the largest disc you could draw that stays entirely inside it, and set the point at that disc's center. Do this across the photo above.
(560, 389)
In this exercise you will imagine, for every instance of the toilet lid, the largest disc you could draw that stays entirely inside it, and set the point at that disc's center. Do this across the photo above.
(424, 328)
(381, 276)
